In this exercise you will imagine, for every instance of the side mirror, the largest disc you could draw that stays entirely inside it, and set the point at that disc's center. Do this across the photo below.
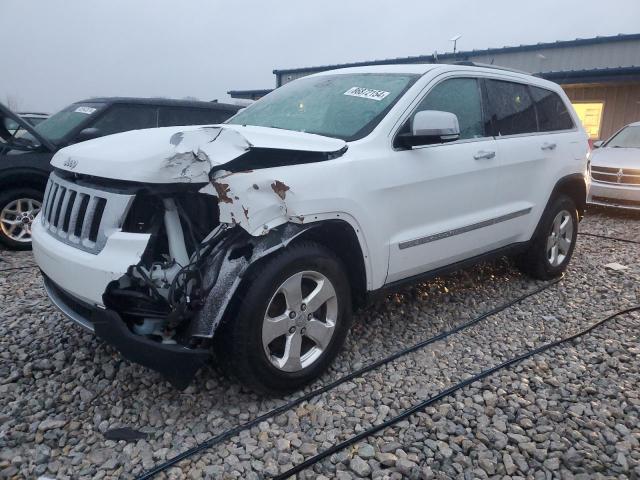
(598, 144)
(431, 126)
(88, 134)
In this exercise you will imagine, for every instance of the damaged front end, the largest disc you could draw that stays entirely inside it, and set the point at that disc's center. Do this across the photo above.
(164, 311)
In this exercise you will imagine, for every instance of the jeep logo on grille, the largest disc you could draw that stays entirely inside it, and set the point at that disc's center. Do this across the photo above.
(619, 175)
(70, 162)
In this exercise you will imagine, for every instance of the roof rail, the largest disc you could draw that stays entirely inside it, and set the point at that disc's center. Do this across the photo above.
(487, 65)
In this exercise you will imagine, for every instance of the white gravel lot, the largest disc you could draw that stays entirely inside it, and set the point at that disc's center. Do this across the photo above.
(571, 412)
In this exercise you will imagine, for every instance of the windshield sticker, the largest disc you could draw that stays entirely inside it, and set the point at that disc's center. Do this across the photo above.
(86, 110)
(366, 93)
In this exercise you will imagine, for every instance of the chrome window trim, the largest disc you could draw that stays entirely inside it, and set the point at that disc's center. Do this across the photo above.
(468, 228)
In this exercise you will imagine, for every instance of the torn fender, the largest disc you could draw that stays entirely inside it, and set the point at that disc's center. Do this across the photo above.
(225, 271)
(253, 199)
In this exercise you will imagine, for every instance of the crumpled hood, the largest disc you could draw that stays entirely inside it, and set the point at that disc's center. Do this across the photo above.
(616, 157)
(187, 154)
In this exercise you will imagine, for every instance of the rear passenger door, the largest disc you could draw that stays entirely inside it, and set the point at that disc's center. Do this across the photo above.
(527, 157)
(174, 116)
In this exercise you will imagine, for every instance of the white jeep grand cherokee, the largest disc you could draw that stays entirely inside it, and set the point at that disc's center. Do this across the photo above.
(254, 240)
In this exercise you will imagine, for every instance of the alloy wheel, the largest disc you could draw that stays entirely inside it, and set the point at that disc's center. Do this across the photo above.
(300, 321)
(560, 238)
(17, 217)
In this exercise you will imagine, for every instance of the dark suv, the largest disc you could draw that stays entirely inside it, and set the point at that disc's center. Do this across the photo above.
(25, 153)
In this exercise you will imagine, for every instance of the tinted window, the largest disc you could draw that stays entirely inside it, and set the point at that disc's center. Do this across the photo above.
(121, 118)
(510, 108)
(191, 116)
(460, 96)
(551, 110)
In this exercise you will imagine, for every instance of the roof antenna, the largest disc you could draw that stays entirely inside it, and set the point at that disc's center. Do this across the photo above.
(455, 42)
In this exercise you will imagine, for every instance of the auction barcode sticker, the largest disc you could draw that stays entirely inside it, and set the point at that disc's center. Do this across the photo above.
(87, 110)
(366, 93)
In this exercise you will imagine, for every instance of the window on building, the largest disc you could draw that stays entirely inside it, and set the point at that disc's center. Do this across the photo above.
(460, 96)
(590, 114)
(551, 110)
(510, 108)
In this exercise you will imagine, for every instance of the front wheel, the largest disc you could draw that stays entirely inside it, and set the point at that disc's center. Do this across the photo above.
(18, 209)
(291, 320)
(551, 249)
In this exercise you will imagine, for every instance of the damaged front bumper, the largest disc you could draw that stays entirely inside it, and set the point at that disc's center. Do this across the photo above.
(176, 363)
(179, 361)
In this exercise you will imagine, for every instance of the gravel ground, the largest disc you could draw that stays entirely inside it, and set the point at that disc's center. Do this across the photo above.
(570, 412)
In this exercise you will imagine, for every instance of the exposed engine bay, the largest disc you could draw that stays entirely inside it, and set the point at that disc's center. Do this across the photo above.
(209, 205)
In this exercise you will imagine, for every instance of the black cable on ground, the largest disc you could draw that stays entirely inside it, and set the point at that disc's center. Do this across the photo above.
(357, 373)
(616, 239)
(445, 393)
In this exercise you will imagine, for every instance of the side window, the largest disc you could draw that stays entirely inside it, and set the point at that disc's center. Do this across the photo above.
(510, 108)
(551, 110)
(460, 96)
(174, 116)
(121, 118)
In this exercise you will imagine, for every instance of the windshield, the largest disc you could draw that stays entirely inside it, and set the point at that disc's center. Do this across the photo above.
(628, 137)
(345, 106)
(58, 126)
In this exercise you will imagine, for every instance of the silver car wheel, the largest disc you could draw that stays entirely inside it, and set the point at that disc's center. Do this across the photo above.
(300, 321)
(16, 218)
(560, 238)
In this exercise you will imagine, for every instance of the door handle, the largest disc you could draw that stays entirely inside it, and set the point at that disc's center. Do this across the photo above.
(548, 146)
(484, 154)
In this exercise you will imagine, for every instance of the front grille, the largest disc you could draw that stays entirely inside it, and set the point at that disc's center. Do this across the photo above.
(618, 176)
(80, 215)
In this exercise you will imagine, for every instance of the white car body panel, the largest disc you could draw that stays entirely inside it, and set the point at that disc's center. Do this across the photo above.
(84, 274)
(414, 199)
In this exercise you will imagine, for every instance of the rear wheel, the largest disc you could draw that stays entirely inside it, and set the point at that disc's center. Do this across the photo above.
(18, 209)
(549, 254)
(291, 321)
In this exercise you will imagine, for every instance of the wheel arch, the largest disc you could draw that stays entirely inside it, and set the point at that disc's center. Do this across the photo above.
(341, 238)
(23, 178)
(574, 186)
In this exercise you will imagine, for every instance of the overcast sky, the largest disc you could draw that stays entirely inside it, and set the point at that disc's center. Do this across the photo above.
(59, 51)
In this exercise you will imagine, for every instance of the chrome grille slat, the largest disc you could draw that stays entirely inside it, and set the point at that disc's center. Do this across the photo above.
(80, 215)
(63, 210)
(616, 176)
(50, 200)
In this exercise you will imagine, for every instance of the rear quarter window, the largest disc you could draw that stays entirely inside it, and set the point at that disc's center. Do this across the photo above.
(551, 110)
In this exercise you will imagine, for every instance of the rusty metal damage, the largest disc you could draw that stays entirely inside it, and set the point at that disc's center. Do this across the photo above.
(280, 188)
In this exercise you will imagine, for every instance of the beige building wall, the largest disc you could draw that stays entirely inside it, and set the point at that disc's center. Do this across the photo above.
(621, 103)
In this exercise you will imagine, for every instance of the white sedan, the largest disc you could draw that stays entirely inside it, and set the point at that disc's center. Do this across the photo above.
(615, 170)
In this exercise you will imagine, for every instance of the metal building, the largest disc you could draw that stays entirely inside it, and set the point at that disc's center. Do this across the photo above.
(601, 75)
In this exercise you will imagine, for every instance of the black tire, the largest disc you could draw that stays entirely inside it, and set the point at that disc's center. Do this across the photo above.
(535, 261)
(238, 343)
(6, 198)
